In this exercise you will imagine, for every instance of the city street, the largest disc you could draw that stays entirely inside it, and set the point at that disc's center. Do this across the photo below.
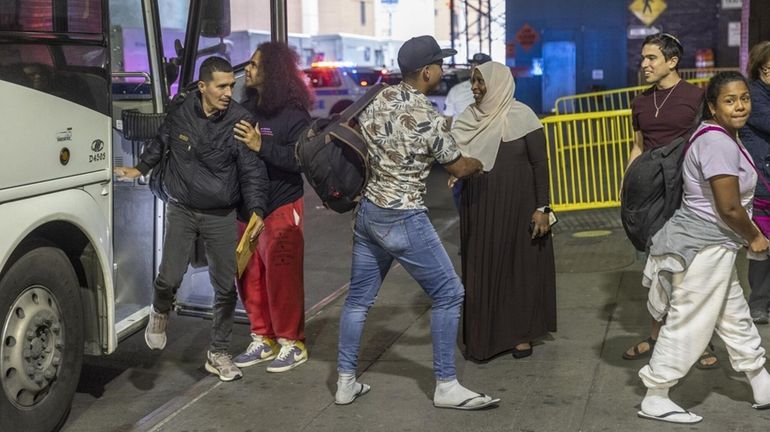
(575, 381)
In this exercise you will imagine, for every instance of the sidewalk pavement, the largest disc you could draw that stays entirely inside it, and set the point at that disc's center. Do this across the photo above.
(574, 381)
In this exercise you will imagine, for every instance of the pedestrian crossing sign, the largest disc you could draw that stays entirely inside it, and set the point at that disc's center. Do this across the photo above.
(647, 10)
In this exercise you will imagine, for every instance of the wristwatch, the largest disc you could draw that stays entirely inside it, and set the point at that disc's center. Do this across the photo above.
(544, 209)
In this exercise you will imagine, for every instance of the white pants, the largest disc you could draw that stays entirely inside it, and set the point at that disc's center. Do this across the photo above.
(706, 297)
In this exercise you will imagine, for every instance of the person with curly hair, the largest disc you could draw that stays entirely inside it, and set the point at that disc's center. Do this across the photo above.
(271, 286)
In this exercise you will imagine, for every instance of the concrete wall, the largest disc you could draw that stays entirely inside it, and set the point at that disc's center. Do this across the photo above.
(255, 15)
(344, 16)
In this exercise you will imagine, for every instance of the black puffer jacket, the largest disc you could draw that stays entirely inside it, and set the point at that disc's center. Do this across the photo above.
(208, 169)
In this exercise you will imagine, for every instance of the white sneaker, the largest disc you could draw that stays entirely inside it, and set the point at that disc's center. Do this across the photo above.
(221, 364)
(155, 332)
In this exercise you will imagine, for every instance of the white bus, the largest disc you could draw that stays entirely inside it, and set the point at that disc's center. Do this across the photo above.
(83, 84)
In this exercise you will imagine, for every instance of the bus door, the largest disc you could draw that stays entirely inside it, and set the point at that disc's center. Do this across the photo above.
(139, 92)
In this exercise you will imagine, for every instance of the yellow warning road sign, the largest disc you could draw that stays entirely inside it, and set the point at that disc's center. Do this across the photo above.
(647, 10)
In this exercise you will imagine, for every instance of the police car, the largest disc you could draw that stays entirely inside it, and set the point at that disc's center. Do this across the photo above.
(338, 84)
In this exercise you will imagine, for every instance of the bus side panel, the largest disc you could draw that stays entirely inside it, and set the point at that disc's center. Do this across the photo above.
(45, 137)
(79, 208)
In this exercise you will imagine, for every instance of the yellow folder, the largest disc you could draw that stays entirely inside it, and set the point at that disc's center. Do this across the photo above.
(245, 248)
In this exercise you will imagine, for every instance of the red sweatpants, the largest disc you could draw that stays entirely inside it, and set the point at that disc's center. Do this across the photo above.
(272, 285)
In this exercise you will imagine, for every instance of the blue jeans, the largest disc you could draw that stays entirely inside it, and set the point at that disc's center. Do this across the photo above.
(382, 235)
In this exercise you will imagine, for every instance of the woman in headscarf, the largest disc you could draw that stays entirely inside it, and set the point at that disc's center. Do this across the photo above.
(507, 253)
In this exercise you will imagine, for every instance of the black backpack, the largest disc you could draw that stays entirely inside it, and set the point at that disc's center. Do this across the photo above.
(332, 154)
(652, 191)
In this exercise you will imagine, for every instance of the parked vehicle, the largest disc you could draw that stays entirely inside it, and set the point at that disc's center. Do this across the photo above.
(338, 84)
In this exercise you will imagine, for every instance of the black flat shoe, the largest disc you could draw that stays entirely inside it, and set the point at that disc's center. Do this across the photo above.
(519, 354)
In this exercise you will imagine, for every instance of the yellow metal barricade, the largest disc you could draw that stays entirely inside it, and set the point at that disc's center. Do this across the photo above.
(587, 156)
(608, 100)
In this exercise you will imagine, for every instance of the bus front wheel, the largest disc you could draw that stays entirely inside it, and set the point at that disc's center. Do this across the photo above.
(41, 350)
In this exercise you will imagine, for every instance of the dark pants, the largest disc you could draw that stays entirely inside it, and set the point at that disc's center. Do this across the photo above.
(759, 281)
(457, 190)
(219, 235)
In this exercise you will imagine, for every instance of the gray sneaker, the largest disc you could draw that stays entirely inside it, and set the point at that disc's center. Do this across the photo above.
(759, 317)
(155, 332)
(221, 364)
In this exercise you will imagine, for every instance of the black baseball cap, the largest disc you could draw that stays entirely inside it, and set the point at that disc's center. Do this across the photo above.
(421, 51)
(479, 58)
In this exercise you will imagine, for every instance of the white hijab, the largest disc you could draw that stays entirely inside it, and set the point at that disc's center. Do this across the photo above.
(499, 118)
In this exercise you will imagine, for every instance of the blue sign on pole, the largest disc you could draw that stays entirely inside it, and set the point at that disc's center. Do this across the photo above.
(389, 1)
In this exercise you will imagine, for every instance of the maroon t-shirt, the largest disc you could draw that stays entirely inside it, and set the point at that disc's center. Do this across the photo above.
(675, 117)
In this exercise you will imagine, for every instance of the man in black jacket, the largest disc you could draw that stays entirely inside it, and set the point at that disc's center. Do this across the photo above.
(207, 174)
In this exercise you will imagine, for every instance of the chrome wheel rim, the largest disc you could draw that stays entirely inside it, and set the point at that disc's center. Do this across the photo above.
(32, 346)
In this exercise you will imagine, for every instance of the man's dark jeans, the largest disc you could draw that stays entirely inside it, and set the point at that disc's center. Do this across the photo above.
(219, 235)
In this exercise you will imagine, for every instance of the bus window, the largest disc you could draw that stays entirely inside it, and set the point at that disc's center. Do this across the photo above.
(237, 45)
(74, 68)
(27, 15)
(84, 16)
(129, 43)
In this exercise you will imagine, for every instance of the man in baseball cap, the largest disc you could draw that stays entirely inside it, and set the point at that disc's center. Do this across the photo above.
(479, 59)
(419, 52)
(404, 136)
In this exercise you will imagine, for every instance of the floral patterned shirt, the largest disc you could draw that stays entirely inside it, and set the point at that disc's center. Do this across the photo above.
(404, 135)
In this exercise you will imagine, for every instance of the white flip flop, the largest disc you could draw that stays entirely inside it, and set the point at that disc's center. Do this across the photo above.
(476, 402)
(681, 417)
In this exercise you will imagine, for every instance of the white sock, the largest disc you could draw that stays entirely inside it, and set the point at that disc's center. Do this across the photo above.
(760, 385)
(347, 388)
(656, 402)
(451, 392)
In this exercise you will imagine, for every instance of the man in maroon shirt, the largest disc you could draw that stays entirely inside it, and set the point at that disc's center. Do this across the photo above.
(667, 110)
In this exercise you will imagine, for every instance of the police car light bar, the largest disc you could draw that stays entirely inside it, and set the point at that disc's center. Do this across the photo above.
(332, 64)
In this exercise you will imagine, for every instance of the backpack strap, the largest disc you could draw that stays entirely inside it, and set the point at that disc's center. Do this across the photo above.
(748, 158)
(354, 109)
(700, 132)
(740, 147)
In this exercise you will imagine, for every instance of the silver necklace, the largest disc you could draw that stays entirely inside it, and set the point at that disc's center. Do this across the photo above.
(655, 98)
